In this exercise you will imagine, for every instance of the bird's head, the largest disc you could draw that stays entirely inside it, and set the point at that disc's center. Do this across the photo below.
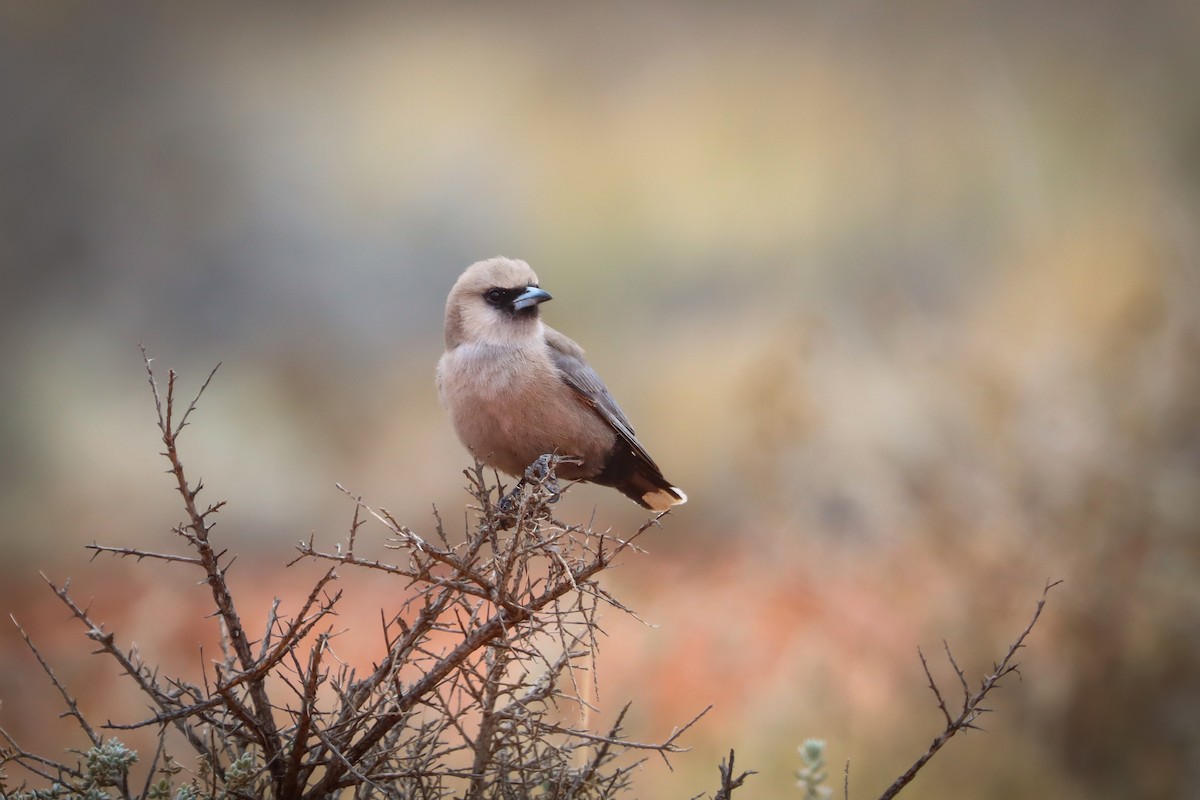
(495, 302)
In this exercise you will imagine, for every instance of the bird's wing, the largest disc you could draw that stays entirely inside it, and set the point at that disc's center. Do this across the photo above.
(568, 358)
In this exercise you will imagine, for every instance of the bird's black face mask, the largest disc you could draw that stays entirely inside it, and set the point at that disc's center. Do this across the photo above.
(522, 301)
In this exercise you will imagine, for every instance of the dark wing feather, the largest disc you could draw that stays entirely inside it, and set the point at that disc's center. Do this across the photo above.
(568, 358)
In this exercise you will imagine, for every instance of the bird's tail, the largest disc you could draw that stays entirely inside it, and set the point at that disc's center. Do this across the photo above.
(640, 480)
(661, 499)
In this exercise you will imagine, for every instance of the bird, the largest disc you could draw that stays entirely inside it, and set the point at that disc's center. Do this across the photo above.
(517, 389)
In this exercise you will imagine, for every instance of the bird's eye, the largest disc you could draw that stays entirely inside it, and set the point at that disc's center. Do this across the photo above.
(495, 296)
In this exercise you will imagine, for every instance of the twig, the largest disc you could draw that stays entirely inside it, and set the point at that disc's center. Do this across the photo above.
(140, 554)
(666, 746)
(728, 781)
(199, 527)
(972, 707)
(465, 699)
(72, 705)
(107, 644)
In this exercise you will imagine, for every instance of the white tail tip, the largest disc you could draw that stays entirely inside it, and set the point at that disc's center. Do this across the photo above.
(662, 499)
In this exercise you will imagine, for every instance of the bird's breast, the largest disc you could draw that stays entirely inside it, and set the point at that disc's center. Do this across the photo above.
(509, 407)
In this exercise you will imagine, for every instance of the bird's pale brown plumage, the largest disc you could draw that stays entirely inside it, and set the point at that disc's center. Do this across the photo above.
(516, 389)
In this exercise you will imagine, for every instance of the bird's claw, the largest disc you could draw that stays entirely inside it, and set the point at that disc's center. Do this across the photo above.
(539, 474)
(542, 472)
(507, 506)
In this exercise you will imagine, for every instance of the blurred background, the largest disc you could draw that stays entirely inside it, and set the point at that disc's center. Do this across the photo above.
(905, 296)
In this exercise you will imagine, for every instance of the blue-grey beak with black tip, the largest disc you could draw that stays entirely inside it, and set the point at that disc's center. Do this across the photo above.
(530, 297)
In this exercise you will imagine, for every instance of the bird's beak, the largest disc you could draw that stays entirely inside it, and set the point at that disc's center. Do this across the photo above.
(530, 297)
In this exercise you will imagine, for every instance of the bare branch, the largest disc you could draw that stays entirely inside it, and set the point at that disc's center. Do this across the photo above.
(199, 527)
(465, 698)
(666, 746)
(140, 554)
(728, 781)
(144, 682)
(972, 706)
(72, 705)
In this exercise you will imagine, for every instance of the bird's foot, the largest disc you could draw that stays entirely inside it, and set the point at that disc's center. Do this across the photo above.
(508, 506)
(539, 476)
(541, 473)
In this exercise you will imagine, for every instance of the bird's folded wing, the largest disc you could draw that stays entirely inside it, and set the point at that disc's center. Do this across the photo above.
(568, 358)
